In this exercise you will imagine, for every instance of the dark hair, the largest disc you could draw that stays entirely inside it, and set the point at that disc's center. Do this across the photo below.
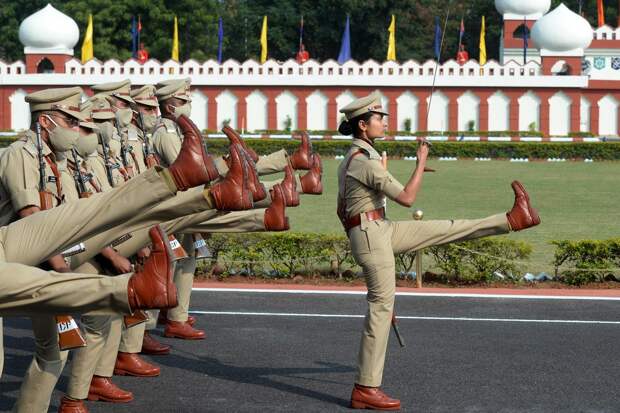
(352, 126)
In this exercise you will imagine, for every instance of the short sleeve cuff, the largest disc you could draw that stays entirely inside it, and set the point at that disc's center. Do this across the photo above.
(393, 189)
(25, 198)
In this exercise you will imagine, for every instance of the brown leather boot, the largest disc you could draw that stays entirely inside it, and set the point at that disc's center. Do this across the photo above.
(152, 346)
(311, 182)
(522, 215)
(153, 286)
(289, 187)
(68, 405)
(235, 138)
(232, 192)
(275, 216)
(131, 364)
(254, 184)
(193, 166)
(302, 157)
(183, 330)
(102, 388)
(372, 398)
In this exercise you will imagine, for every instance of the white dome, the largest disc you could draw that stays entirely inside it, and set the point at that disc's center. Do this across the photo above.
(523, 7)
(49, 31)
(562, 30)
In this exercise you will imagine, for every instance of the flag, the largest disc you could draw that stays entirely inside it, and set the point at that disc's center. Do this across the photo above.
(134, 37)
(263, 41)
(437, 41)
(301, 32)
(391, 52)
(461, 33)
(526, 34)
(345, 46)
(175, 40)
(601, 13)
(220, 40)
(139, 29)
(87, 45)
(482, 59)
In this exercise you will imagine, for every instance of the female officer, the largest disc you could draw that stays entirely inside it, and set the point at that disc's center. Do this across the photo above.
(363, 184)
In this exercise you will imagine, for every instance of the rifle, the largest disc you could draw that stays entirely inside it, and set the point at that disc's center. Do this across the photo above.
(106, 161)
(69, 335)
(79, 177)
(149, 156)
(124, 150)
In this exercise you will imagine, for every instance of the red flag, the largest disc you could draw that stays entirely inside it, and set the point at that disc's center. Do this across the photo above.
(139, 25)
(601, 13)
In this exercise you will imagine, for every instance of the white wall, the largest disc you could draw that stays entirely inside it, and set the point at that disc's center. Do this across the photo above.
(316, 104)
(468, 110)
(559, 114)
(286, 106)
(584, 114)
(257, 111)
(20, 110)
(438, 112)
(499, 112)
(200, 109)
(226, 109)
(529, 111)
(343, 100)
(407, 108)
(608, 116)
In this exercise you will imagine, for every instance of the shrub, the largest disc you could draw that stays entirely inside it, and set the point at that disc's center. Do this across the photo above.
(587, 260)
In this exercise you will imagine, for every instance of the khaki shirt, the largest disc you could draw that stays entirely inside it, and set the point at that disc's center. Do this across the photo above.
(135, 139)
(167, 140)
(19, 177)
(367, 182)
(95, 164)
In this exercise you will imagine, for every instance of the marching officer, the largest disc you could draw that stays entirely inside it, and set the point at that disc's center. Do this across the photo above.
(363, 185)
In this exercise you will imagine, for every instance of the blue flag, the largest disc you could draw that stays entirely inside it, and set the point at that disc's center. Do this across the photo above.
(437, 41)
(220, 40)
(134, 37)
(345, 47)
(526, 34)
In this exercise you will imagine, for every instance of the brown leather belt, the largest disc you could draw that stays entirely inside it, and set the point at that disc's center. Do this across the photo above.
(370, 216)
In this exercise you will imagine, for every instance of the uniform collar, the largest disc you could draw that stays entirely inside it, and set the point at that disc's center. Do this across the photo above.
(32, 139)
(372, 152)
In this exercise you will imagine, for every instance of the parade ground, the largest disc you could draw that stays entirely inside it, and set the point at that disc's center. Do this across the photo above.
(292, 351)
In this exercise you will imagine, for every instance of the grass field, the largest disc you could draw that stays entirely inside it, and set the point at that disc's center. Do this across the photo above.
(575, 200)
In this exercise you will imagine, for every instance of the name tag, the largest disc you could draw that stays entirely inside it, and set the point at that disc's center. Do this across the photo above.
(65, 326)
(132, 135)
(51, 179)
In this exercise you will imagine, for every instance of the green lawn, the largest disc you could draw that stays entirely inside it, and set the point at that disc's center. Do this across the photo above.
(575, 200)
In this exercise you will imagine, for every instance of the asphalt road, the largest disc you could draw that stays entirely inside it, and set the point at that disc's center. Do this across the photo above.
(270, 352)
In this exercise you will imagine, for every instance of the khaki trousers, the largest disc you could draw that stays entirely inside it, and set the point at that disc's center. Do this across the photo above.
(96, 331)
(374, 244)
(266, 165)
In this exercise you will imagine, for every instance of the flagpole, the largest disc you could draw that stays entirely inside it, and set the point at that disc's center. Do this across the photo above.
(443, 35)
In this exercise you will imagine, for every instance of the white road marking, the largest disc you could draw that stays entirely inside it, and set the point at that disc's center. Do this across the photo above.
(415, 294)
(404, 317)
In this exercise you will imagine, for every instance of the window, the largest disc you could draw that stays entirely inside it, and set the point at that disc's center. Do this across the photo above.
(521, 31)
(45, 66)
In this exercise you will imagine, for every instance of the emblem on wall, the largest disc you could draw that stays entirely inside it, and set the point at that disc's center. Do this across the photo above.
(599, 63)
(615, 63)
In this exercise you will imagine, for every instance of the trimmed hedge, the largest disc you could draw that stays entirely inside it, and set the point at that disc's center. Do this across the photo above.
(290, 253)
(581, 262)
(400, 149)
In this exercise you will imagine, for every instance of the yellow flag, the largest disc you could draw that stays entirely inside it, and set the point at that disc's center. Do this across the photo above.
(263, 41)
(483, 44)
(87, 45)
(175, 40)
(391, 53)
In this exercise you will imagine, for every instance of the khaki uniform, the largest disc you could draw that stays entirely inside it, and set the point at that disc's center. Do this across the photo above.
(364, 186)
